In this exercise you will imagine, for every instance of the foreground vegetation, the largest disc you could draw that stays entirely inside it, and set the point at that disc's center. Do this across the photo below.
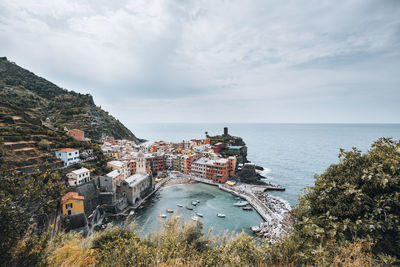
(349, 218)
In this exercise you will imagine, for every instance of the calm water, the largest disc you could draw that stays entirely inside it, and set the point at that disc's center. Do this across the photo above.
(291, 153)
(212, 201)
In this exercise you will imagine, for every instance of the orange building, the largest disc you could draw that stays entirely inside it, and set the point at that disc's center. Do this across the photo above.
(77, 134)
(72, 203)
(218, 170)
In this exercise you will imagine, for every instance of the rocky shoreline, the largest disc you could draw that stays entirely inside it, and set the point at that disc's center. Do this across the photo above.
(276, 228)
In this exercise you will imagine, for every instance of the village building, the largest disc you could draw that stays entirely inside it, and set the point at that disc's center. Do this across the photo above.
(72, 203)
(77, 134)
(68, 156)
(199, 167)
(137, 186)
(116, 177)
(122, 166)
(168, 161)
(217, 170)
(78, 177)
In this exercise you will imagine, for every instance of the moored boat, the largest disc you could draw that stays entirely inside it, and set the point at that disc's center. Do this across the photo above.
(170, 211)
(255, 229)
(247, 208)
(195, 218)
(221, 215)
(241, 203)
(189, 208)
(163, 216)
(199, 214)
(179, 205)
(194, 203)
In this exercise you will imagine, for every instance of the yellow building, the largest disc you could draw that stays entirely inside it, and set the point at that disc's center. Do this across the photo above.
(72, 203)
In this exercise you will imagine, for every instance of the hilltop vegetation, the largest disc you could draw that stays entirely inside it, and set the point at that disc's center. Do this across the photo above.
(56, 107)
(33, 114)
(349, 218)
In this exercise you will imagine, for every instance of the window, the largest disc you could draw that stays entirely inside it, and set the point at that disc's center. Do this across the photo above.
(68, 206)
(69, 154)
(76, 152)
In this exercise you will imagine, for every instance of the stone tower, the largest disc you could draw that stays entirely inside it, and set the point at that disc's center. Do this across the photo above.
(140, 162)
(225, 131)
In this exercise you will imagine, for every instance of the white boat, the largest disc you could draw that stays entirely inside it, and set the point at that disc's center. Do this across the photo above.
(241, 203)
(199, 214)
(195, 218)
(194, 203)
(179, 205)
(131, 212)
(255, 229)
(221, 215)
(163, 216)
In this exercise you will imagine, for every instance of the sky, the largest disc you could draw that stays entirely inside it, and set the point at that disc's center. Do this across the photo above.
(303, 61)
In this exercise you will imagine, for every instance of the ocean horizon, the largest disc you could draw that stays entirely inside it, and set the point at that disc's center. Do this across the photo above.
(290, 153)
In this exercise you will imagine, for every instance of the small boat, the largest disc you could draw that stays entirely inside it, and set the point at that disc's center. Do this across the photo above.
(163, 216)
(198, 201)
(255, 229)
(195, 218)
(131, 212)
(221, 215)
(179, 205)
(241, 203)
(247, 208)
(199, 214)
(170, 211)
(189, 208)
(237, 198)
(194, 203)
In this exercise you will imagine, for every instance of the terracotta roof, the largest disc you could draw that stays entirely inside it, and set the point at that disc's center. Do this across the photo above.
(70, 195)
(75, 130)
(67, 150)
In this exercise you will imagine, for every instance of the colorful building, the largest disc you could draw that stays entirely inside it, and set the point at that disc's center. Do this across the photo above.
(72, 203)
(217, 170)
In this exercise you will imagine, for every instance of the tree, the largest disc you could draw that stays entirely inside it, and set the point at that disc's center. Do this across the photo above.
(26, 204)
(355, 200)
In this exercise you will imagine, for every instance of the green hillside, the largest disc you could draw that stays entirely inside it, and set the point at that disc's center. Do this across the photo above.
(55, 107)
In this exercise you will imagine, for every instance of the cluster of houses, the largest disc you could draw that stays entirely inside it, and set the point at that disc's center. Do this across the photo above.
(134, 168)
(196, 157)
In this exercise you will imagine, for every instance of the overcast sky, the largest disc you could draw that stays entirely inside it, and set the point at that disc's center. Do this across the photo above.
(215, 61)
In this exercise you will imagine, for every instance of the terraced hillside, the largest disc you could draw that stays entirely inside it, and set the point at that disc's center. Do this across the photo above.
(33, 115)
(56, 107)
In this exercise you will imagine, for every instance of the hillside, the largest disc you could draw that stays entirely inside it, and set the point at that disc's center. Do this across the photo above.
(50, 105)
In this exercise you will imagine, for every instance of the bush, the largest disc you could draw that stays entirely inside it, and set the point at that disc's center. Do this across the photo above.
(44, 144)
(356, 200)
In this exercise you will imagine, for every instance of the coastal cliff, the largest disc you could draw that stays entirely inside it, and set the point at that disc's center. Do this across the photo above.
(21, 91)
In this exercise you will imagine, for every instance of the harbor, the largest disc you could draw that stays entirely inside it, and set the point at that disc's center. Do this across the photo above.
(212, 202)
(219, 207)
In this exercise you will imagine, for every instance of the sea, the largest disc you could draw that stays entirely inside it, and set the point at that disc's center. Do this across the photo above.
(291, 154)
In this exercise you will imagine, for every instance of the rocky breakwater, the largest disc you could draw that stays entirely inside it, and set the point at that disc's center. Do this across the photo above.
(280, 224)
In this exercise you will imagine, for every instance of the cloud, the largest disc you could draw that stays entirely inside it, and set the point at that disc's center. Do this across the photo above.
(292, 61)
